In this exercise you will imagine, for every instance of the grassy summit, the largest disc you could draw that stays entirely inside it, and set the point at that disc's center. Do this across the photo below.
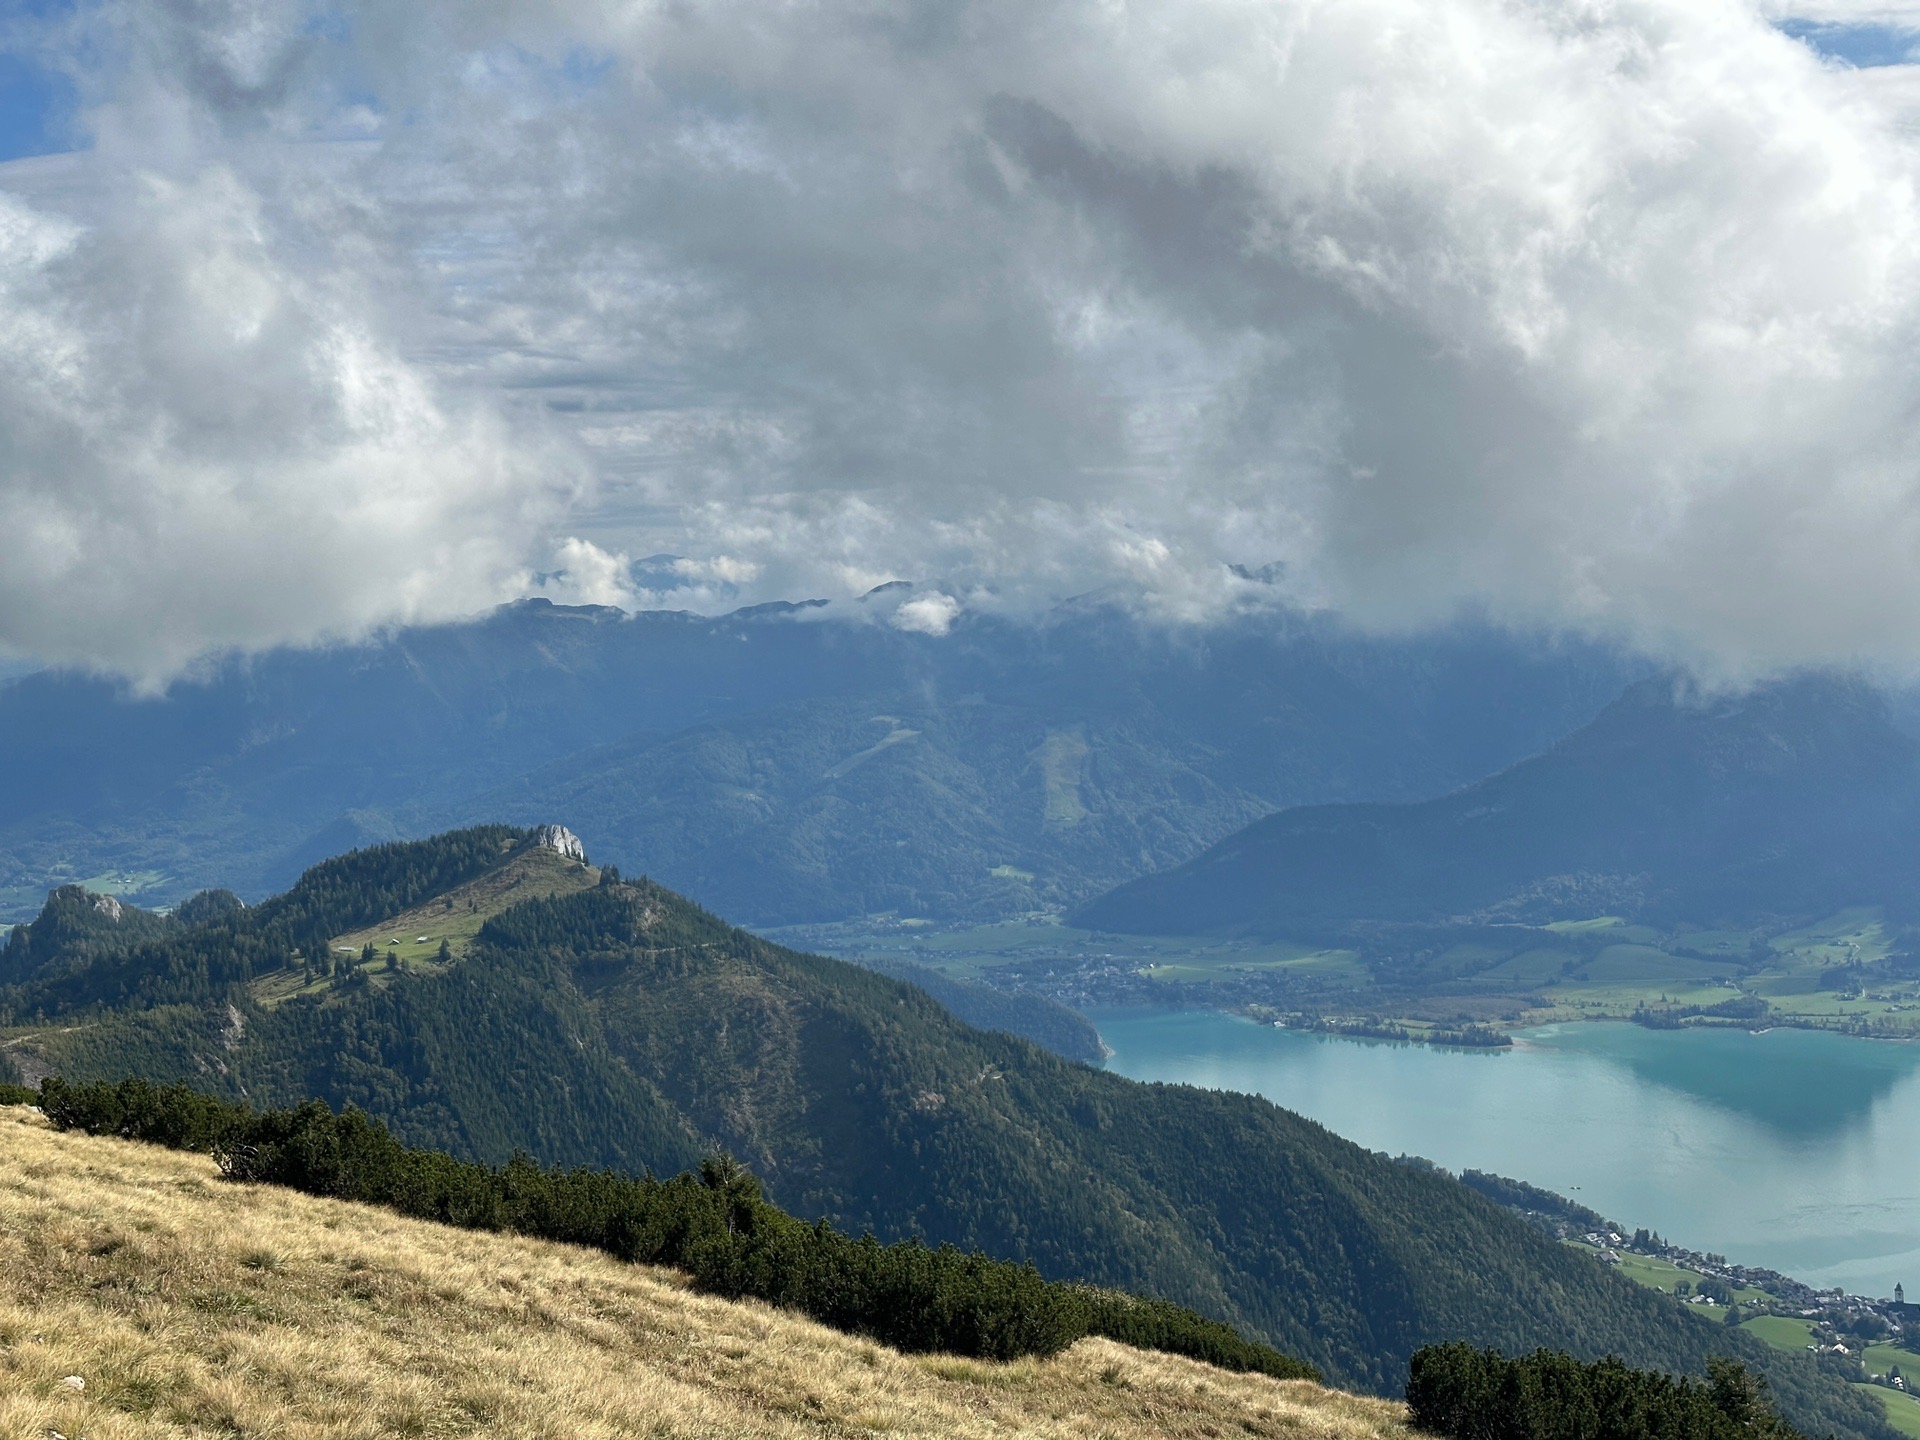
(193, 1306)
(413, 938)
(534, 872)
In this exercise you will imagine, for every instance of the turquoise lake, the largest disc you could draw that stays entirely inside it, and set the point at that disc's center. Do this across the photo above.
(1791, 1149)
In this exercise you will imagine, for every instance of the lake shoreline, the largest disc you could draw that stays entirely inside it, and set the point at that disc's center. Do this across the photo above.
(1787, 1147)
(1396, 1030)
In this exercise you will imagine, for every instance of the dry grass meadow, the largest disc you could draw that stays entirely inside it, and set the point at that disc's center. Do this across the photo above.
(190, 1306)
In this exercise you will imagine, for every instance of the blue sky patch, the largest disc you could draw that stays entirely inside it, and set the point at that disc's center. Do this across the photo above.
(1862, 46)
(36, 109)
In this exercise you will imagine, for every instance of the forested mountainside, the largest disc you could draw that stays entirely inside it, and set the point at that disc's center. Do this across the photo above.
(1047, 1023)
(618, 1024)
(786, 763)
(1788, 802)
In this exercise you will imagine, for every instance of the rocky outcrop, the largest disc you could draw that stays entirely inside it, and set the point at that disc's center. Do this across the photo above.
(28, 1064)
(558, 837)
(79, 897)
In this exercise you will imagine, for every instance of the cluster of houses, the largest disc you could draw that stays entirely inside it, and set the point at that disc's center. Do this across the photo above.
(1836, 1314)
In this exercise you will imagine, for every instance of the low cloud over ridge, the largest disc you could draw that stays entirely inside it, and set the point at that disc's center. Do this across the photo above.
(1586, 314)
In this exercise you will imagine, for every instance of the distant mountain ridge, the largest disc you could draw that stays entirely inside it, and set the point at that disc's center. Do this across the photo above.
(1798, 798)
(788, 763)
(620, 1025)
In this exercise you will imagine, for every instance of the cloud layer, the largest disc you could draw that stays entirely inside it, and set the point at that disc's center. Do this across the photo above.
(1591, 314)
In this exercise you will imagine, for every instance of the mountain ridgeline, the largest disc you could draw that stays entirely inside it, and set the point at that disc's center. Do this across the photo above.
(615, 1024)
(785, 764)
(1793, 800)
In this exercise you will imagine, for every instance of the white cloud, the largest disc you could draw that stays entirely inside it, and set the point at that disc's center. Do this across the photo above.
(1596, 312)
(207, 441)
(929, 614)
(584, 574)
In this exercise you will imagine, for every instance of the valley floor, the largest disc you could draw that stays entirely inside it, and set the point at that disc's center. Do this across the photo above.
(1424, 983)
(188, 1305)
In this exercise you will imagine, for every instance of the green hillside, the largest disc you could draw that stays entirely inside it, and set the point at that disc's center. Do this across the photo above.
(1735, 859)
(620, 1025)
(1799, 798)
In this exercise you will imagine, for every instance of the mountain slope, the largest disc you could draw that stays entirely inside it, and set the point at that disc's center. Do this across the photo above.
(1020, 769)
(1047, 1023)
(745, 759)
(623, 1026)
(192, 1306)
(1797, 799)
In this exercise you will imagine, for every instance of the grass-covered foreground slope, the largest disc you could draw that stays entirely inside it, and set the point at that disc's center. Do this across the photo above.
(189, 1305)
(716, 1225)
(624, 1026)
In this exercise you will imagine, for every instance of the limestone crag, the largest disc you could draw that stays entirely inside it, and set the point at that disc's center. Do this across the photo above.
(79, 895)
(558, 837)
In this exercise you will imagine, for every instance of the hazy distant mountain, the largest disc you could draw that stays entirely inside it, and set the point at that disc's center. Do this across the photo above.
(1801, 797)
(787, 762)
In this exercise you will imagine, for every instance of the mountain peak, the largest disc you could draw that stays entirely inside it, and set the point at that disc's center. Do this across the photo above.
(564, 841)
(81, 897)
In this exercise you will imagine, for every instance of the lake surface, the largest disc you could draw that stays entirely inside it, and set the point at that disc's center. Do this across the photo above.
(1792, 1149)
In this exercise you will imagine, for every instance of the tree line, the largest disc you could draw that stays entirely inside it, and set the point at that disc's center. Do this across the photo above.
(1456, 1390)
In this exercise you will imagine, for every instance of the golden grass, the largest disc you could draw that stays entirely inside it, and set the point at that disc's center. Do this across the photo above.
(191, 1306)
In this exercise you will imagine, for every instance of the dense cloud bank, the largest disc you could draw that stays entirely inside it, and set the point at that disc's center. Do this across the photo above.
(1596, 314)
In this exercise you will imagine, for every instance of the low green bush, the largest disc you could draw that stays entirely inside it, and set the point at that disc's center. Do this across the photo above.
(1456, 1390)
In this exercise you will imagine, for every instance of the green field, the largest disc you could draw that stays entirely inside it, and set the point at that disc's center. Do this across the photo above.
(1859, 933)
(1587, 927)
(1662, 1275)
(1655, 1273)
(129, 884)
(1882, 1359)
(1208, 965)
(1903, 1411)
(1595, 969)
(1782, 1333)
(965, 953)
(1721, 944)
(1529, 970)
(1642, 966)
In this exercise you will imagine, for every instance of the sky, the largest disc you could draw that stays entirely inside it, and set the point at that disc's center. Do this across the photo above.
(1600, 315)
